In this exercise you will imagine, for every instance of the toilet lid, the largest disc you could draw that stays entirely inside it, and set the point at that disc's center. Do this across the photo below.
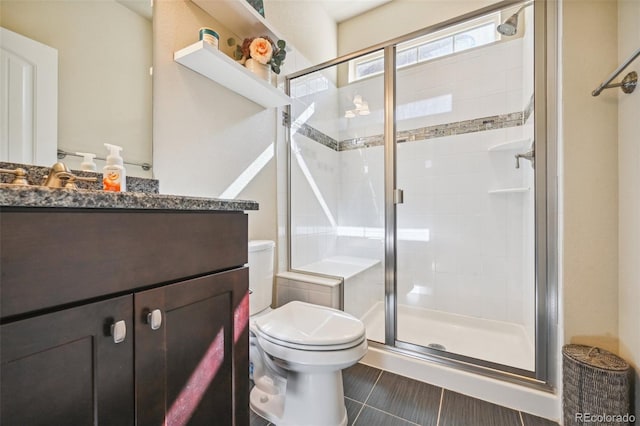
(310, 325)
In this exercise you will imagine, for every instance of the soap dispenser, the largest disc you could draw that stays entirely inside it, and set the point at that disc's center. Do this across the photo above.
(114, 176)
(87, 164)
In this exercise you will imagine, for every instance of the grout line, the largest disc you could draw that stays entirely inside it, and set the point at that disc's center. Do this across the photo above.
(373, 387)
(521, 419)
(358, 415)
(440, 407)
(390, 414)
(367, 398)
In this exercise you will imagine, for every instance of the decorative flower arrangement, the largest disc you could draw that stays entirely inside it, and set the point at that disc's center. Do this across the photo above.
(261, 49)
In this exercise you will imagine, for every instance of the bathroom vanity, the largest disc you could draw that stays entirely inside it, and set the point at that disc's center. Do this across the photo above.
(122, 309)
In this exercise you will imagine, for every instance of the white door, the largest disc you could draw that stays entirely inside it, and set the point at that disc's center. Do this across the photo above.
(28, 100)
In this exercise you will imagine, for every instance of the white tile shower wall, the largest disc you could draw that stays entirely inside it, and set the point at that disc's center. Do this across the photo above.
(364, 290)
(528, 249)
(460, 248)
(361, 224)
(528, 276)
(314, 172)
(478, 83)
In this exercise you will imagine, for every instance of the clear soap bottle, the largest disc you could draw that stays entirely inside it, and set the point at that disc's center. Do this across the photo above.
(114, 175)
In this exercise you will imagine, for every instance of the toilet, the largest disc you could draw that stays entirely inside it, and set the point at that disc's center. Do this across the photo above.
(297, 352)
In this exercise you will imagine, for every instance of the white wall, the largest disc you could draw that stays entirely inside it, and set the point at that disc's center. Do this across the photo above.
(590, 196)
(629, 195)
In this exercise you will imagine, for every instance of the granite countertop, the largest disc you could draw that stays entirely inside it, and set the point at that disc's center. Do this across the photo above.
(40, 196)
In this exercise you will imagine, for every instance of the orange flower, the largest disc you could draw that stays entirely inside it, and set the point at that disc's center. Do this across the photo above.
(261, 50)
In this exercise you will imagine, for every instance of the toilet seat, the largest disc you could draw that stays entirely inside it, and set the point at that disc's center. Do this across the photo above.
(313, 348)
(309, 327)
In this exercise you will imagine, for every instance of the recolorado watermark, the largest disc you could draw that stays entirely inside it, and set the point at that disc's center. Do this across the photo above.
(605, 418)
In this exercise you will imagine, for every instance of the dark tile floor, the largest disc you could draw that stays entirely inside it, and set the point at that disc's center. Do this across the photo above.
(378, 398)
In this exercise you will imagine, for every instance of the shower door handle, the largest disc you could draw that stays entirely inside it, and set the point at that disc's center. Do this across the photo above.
(398, 196)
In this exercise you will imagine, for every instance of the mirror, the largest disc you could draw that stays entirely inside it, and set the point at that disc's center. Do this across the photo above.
(104, 50)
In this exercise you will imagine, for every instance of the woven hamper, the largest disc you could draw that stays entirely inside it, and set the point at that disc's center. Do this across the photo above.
(596, 387)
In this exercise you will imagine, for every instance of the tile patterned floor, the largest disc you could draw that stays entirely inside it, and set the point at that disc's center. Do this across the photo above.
(378, 398)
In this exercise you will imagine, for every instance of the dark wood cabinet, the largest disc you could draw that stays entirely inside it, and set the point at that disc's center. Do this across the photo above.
(64, 368)
(191, 358)
(184, 358)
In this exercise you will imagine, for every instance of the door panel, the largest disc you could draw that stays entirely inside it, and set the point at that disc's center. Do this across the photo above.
(28, 100)
(465, 233)
(195, 367)
(64, 367)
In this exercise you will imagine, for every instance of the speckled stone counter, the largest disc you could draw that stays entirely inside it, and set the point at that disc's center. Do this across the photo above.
(38, 196)
(142, 194)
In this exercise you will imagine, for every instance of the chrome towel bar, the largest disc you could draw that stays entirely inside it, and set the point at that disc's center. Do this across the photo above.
(628, 84)
(62, 154)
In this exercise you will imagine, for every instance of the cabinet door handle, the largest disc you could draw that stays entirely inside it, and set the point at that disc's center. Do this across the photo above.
(119, 331)
(154, 319)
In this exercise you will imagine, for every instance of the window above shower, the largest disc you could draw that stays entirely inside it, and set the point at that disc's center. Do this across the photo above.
(469, 35)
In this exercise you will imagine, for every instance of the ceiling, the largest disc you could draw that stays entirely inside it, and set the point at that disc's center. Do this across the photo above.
(341, 10)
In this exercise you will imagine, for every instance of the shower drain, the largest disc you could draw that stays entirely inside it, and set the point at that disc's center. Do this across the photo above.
(437, 346)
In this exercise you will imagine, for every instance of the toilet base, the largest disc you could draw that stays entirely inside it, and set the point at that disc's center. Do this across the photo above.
(311, 399)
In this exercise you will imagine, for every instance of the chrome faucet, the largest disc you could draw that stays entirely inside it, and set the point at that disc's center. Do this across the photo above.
(529, 155)
(61, 177)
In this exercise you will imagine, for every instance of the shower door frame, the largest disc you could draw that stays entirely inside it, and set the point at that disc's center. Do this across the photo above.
(546, 234)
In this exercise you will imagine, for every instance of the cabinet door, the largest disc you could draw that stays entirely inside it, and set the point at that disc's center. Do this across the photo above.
(192, 368)
(64, 368)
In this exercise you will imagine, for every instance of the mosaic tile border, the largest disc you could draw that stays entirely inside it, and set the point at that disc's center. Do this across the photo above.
(310, 132)
(501, 121)
(440, 130)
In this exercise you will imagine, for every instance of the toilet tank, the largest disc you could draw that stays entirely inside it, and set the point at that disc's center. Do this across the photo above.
(261, 254)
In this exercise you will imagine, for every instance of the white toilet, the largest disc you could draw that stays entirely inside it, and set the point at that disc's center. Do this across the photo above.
(297, 352)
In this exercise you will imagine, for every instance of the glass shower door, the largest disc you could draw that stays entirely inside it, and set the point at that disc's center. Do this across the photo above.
(465, 237)
(337, 184)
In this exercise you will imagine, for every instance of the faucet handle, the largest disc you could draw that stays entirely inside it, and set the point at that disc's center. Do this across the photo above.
(20, 176)
(529, 155)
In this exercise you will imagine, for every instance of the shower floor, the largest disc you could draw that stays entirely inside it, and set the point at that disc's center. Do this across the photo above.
(495, 341)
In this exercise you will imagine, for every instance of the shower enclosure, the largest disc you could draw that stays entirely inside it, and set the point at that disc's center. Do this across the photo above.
(417, 174)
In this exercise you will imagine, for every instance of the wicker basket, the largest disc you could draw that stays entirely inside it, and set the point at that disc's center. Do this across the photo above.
(596, 387)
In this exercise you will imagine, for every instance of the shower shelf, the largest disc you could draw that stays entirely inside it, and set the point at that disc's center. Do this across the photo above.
(510, 190)
(208, 61)
(511, 145)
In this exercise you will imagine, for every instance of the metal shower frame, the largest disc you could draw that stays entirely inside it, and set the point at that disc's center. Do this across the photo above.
(546, 230)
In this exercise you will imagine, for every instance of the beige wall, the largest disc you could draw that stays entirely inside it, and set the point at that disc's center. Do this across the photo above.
(590, 164)
(398, 18)
(206, 136)
(104, 54)
(307, 25)
(629, 193)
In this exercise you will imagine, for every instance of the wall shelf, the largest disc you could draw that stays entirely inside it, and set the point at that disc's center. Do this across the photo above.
(239, 16)
(513, 145)
(510, 190)
(208, 61)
